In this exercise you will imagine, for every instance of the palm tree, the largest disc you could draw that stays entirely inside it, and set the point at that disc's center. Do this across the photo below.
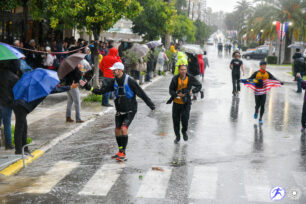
(280, 10)
(243, 10)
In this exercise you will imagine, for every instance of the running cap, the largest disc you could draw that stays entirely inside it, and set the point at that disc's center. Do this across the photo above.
(262, 63)
(117, 65)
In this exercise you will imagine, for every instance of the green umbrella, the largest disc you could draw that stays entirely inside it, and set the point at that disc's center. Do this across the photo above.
(8, 53)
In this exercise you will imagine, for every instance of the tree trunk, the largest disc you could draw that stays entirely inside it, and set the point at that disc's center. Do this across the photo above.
(25, 21)
(287, 54)
(167, 41)
(96, 34)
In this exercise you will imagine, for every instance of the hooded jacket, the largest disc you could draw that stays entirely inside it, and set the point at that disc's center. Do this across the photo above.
(108, 61)
(181, 59)
(201, 63)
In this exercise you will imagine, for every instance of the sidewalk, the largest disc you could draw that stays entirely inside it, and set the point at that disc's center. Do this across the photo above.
(47, 126)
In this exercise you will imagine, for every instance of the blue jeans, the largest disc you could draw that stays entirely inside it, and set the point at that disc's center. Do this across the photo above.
(6, 116)
(105, 98)
(299, 82)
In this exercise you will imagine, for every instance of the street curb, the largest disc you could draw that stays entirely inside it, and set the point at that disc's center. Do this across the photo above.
(18, 165)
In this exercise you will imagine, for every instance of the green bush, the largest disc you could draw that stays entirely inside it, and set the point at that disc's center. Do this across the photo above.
(252, 45)
(29, 140)
(93, 98)
(272, 60)
(244, 48)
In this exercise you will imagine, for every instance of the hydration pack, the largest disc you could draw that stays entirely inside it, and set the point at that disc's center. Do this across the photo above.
(126, 88)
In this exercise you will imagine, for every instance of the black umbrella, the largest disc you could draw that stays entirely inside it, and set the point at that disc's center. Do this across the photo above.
(69, 64)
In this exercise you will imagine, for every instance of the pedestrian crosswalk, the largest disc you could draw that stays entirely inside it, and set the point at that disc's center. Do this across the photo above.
(46, 182)
(155, 183)
(204, 182)
(103, 180)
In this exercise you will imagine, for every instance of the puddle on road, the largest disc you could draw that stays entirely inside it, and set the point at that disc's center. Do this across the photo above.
(13, 185)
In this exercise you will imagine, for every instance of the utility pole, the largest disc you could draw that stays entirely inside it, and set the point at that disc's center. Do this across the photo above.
(280, 43)
(189, 8)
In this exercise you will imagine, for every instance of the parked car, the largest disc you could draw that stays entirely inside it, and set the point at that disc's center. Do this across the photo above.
(210, 42)
(256, 54)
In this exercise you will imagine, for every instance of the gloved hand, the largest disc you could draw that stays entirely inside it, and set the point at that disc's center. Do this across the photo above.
(169, 101)
(87, 87)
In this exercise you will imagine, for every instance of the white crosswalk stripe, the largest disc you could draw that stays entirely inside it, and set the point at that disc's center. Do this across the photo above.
(103, 180)
(46, 182)
(155, 183)
(257, 186)
(204, 183)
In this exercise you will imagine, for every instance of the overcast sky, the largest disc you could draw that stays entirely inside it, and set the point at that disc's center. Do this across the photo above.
(222, 5)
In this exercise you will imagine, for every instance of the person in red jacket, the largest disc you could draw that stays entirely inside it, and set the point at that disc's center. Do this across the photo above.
(201, 65)
(107, 62)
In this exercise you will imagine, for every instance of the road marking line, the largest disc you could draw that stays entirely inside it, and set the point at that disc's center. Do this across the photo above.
(103, 180)
(204, 183)
(257, 186)
(155, 183)
(46, 182)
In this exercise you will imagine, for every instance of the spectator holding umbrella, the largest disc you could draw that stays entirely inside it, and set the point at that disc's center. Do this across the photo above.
(299, 66)
(44, 82)
(9, 71)
(8, 78)
(70, 72)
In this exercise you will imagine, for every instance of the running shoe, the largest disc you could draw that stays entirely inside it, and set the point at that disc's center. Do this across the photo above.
(255, 116)
(260, 122)
(116, 155)
(121, 157)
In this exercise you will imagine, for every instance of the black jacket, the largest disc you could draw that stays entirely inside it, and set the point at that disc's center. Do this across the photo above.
(193, 65)
(30, 106)
(297, 55)
(7, 81)
(73, 76)
(299, 65)
(123, 104)
(192, 82)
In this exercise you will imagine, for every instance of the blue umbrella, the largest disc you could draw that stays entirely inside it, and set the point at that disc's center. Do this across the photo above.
(35, 84)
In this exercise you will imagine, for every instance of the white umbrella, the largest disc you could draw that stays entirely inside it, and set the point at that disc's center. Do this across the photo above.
(193, 49)
(139, 50)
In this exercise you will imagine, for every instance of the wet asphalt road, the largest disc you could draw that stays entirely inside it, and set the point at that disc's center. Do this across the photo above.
(228, 159)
